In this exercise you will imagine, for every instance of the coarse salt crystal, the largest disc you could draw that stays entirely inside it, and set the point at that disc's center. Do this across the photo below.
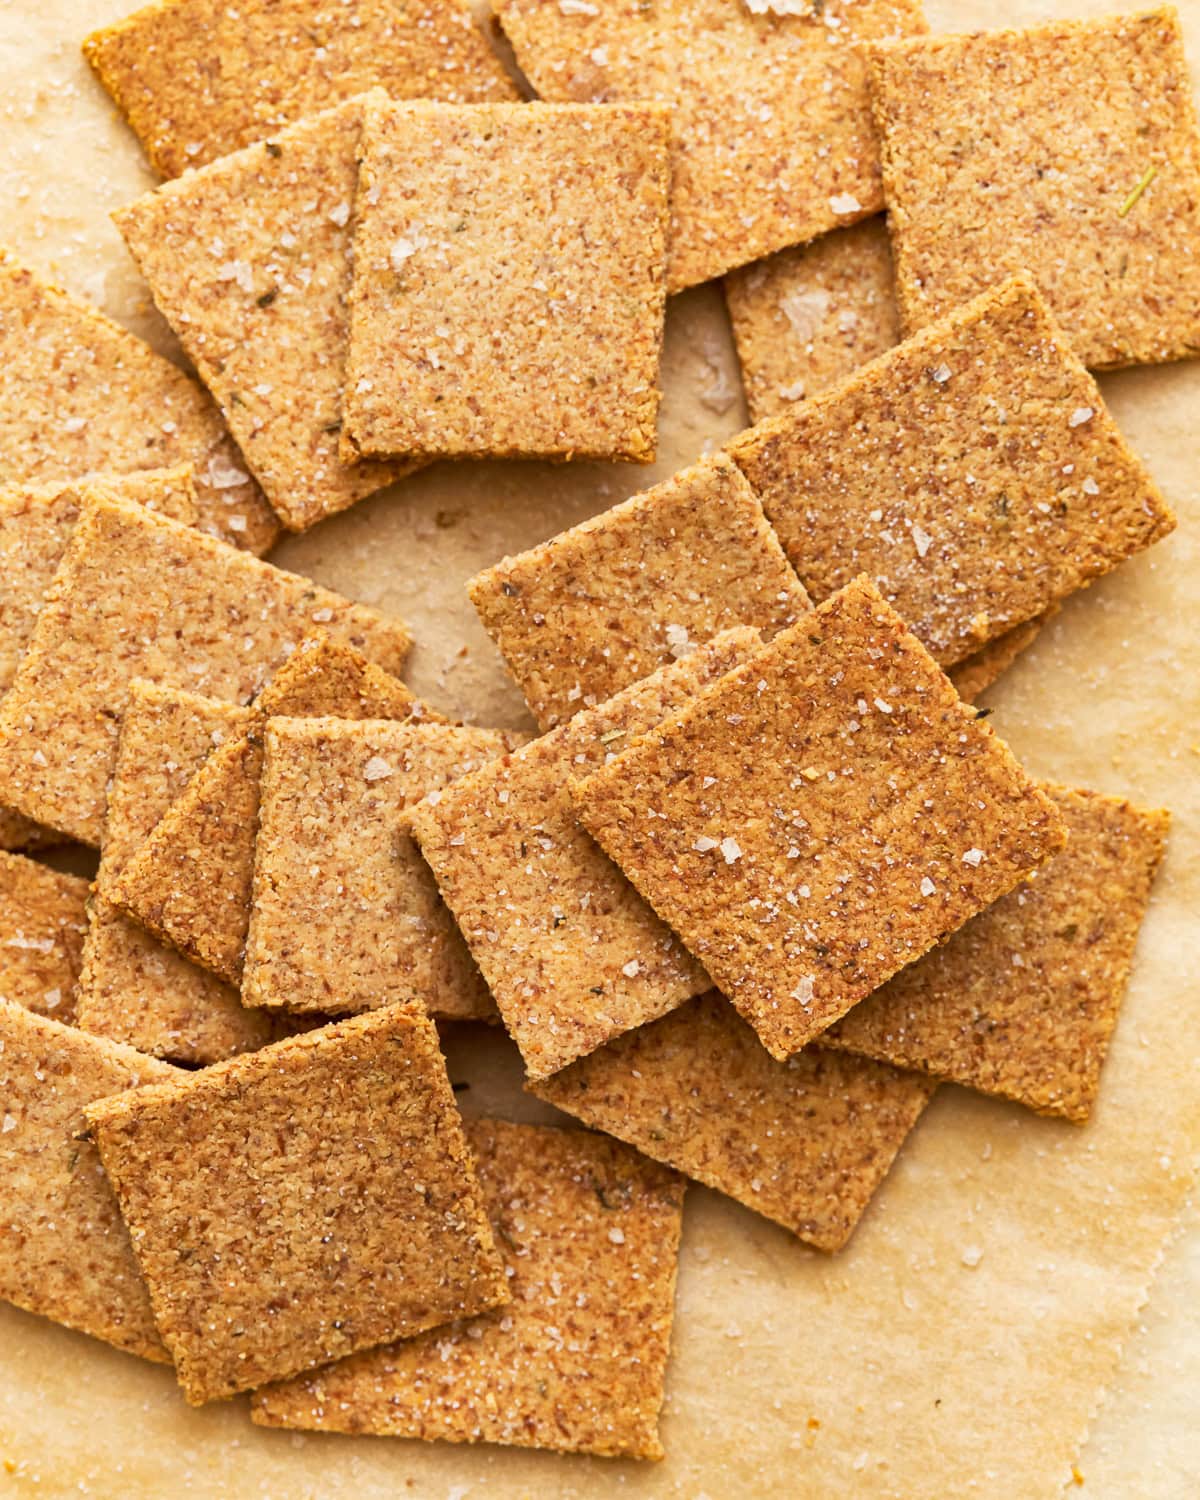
(9, 1124)
(844, 203)
(973, 857)
(679, 642)
(883, 706)
(376, 769)
(403, 249)
(322, 615)
(940, 373)
(1090, 487)
(927, 886)
(599, 56)
(972, 1255)
(340, 215)
(1080, 415)
(805, 311)
(921, 540)
(804, 990)
(703, 844)
(577, 8)
(239, 271)
(631, 969)
(731, 850)
(617, 1236)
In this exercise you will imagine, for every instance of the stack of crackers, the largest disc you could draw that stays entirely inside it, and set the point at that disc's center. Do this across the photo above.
(761, 879)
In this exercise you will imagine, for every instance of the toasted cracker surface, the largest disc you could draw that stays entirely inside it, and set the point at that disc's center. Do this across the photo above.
(590, 1233)
(570, 951)
(973, 471)
(820, 817)
(80, 394)
(64, 1252)
(248, 260)
(42, 924)
(1080, 139)
(807, 317)
(138, 595)
(593, 610)
(805, 1142)
(772, 138)
(17, 832)
(296, 1204)
(197, 79)
(509, 281)
(1023, 1000)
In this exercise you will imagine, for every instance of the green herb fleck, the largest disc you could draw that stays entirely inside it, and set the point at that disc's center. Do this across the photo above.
(1143, 183)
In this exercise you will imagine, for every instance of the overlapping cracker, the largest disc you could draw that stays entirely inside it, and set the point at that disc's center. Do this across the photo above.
(1069, 150)
(974, 472)
(80, 394)
(772, 137)
(509, 281)
(974, 674)
(302, 1202)
(42, 924)
(197, 79)
(64, 1252)
(571, 953)
(820, 817)
(596, 608)
(576, 1362)
(138, 595)
(804, 1142)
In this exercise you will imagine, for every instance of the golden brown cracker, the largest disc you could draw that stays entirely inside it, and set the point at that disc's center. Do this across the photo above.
(42, 924)
(18, 833)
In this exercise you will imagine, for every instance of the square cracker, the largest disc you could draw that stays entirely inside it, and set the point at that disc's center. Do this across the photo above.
(772, 137)
(133, 988)
(973, 471)
(197, 79)
(571, 953)
(1070, 150)
(593, 610)
(42, 924)
(820, 817)
(804, 1142)
(248, 260)
(509, 281)
(296, 1204)
(64, 1252)
(138, 595)
(190, 882)
(576, 1363)
(80, 394)
(1023, 1000)
(345, 915)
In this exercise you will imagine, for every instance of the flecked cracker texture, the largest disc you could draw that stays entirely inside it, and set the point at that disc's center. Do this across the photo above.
(1070, 150)
(820, 817)
(42, 924)
(973, 471)
(804, 1142)
(570, 951)
(248, 260)
(509, 281)
(197, 79)
(772, 138)
(590, 1234)
(80, 394)
(64, 1251)
(305, 1201)
(1023, 1000)
(138, 595)
(345, 915)
(593, 610)
(190, 882)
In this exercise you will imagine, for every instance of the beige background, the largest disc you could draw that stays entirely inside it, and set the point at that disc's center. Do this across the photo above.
(895, 1369)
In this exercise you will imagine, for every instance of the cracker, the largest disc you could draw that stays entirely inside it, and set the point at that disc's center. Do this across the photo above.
(197, 79)
(570, 952)
(80, 394)
(345, 915)
(772, 137)
(190, 882)
(248, 260)
(1069, 149)
(509, 281)
(17, 832)
(596, 608)
(1023, 1000)
(64, 1252)
(41, 936)
(590, 1233)
(138, 595)
(974, 674)
(296, 1204)
(974, 472)
(820, 817)
(804, 1142)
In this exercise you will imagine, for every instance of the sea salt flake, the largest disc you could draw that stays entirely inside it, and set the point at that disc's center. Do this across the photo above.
(940, 373)
(731, 850)
(9, 1124)
(972, 1255)
(1090, 487)
(617, 1236)
(927, 886)
(921, 540)
(805, 311)
(631, 969)
(883, 706)
(376, 769)
(340, 215)
(404, 249)
(804, 990)
(577, 8)
(844, 203)
(973, 857)
(679, 642)
(1080, 415)
(703, 844)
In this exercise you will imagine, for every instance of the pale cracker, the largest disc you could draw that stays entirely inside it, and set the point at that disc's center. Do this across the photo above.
(42, 924)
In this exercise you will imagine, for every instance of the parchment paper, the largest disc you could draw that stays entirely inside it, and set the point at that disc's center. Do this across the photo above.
(897, 1368)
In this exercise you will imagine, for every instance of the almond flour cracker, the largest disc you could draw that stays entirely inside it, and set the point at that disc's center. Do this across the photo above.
(509, 282)
(596, 608)
(576, 1363)
(1070, 150)
(297, 1204)
(820, 817)
(42, 923)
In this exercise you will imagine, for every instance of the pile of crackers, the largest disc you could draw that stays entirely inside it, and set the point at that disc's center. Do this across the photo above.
(763, 878)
